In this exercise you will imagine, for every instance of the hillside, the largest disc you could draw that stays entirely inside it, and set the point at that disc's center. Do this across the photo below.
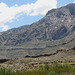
(63, 56)
(55, 30)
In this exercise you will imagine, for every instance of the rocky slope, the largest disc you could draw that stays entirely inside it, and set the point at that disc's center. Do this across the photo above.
(57, 24)
(55, 30)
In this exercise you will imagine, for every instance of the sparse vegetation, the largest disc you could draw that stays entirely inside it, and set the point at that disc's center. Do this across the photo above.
(4, 71)
(43, 70)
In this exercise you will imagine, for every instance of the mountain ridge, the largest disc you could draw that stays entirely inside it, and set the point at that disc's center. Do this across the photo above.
(53, 31)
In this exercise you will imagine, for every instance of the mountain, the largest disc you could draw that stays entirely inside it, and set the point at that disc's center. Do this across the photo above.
(10, 37)
(57, 24)
(56, 29)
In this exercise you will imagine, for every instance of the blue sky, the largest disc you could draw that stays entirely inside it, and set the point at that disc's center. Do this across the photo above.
(15, 13)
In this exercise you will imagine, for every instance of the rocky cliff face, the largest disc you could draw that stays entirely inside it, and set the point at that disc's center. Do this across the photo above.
(57, 24)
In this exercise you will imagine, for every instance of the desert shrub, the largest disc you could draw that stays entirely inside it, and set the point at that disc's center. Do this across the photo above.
(47, 67)
(41, 67)
(43, 70)
(55, 63)
(51, 73)
(4, 71)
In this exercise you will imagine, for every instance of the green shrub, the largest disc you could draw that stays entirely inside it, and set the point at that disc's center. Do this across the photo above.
(4, 71)
(43, 70)
(47, 67)
(41, 67)
(51, 73)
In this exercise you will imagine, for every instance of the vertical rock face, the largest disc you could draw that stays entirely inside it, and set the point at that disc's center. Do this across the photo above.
(57, 24)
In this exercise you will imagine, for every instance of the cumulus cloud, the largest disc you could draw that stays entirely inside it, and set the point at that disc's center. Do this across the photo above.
(40, 7)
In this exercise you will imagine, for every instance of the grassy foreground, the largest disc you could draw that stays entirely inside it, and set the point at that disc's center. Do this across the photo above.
(54, 69)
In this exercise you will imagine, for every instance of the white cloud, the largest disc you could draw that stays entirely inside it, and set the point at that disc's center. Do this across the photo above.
(40, 7)
(4, 27)
(74, 2)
